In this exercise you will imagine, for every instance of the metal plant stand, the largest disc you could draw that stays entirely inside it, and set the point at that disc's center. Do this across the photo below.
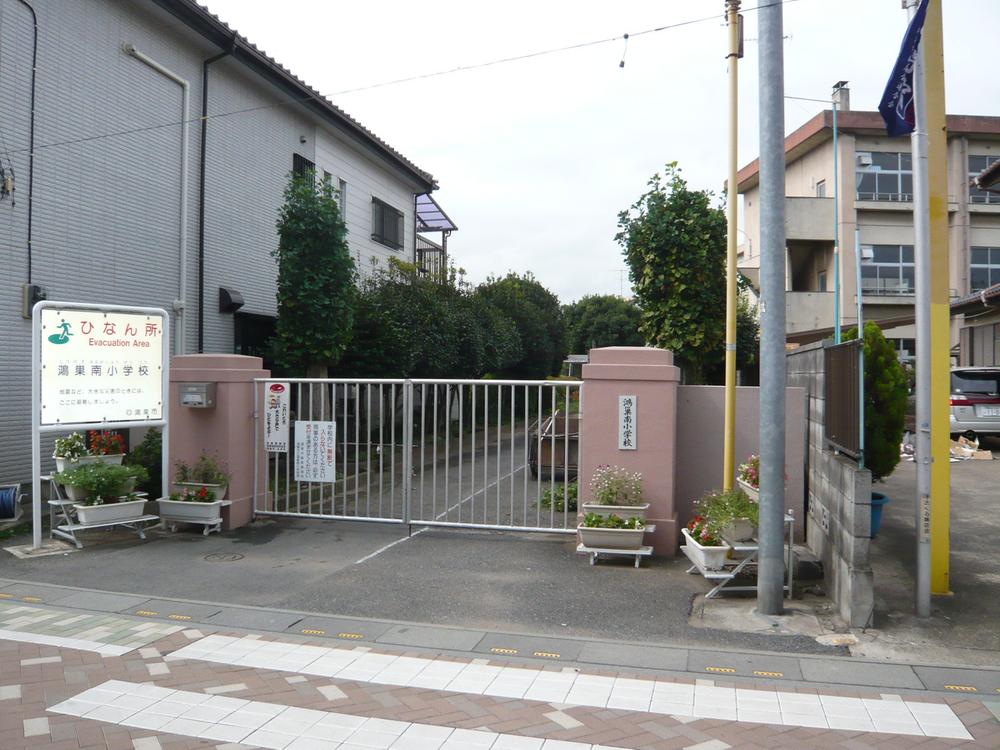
(62, 524)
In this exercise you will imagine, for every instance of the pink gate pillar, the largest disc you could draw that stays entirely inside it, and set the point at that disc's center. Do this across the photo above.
(650, 376)
(225, 430)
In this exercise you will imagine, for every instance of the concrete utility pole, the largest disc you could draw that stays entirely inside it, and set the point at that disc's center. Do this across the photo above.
(732, 197)
(922, 262)
(771, 558)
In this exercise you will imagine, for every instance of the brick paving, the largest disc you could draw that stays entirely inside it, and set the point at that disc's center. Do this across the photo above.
(34, 677)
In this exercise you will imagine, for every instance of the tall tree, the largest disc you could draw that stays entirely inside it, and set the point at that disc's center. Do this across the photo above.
(539, 320)
(316, 279)
(674, 241)
(602, 320)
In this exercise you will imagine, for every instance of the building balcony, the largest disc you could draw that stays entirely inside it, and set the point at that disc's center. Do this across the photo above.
(808, 311)
(809, 219)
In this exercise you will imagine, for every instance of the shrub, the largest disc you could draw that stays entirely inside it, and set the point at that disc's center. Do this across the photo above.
(554, 496)
(206, 470)
(149, 455)
(885, 402)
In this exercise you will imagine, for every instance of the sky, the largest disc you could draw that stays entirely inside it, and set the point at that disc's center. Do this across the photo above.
(536, 158)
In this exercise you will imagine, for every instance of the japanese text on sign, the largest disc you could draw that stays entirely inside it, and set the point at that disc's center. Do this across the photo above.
(100, 366)
(315, 451)
(276, 396)
(627, 423)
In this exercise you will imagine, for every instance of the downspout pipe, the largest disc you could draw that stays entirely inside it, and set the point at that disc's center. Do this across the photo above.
(201, 189)
(31, 127)
(180, 340)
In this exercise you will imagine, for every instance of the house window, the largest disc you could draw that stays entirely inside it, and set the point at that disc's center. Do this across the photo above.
(906, 349)
(387, 224)
(976, 165)
(984, 270)
(821, 281)
(889, 271)
(821, 189)
(301, 166)
(342, 197)
(884, 176)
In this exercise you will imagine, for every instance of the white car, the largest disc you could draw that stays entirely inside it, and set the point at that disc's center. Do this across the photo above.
(975, 401)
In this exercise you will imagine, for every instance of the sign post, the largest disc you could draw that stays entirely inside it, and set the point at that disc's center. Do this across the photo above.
(96, 367)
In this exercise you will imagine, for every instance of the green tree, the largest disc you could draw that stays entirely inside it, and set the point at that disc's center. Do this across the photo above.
(674, 242)
(602, 320)
(538, 317)
(885, 401)
(316, 279)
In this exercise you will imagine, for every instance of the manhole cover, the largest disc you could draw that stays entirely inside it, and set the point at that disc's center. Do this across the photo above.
(223, 557)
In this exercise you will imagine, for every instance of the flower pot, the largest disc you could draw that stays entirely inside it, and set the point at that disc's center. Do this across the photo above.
(752, 492)
(611, 538)
(739, 530)
(185, 511)
(219, 489)
(709, 558)
(109, 512)
(879, 500)
(64, 464)
(622, 511)
(76, 494)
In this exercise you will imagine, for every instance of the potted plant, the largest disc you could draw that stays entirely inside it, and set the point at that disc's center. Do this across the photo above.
(705, 547)
(885, 411)
(189, 505)
(101, 494)
(208, 471)
(107, 446)
(98, 447)
(611, 532)
(615, 490)
(748, 477)
(733, 513)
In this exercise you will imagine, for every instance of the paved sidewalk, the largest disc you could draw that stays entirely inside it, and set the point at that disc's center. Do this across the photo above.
(180, 685)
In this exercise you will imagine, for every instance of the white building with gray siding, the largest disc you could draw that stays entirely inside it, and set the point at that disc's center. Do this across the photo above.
(92, 145)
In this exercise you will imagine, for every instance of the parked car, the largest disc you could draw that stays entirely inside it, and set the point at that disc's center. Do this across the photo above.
(975, 401)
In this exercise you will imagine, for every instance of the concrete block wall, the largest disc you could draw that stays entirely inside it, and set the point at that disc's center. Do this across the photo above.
(838, 519)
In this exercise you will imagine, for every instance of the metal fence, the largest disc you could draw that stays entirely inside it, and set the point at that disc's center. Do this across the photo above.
(842, 392)
(490, 454)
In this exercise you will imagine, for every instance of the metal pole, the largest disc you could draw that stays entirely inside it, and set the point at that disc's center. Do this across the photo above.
(36, 448)
(922, 259)
(861, 353)
(729, 453)
(771, 567)
(836, 232)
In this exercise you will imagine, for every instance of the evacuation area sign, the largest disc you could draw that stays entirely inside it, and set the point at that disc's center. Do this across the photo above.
(99, 366)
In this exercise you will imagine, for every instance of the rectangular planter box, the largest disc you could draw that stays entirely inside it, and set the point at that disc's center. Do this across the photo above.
(109, 513)
(611, 538)
(220, 490)
(622, 511)
(183, 511)
(65, 464)
(709, 558)
(75, 494)
(752, 492)
(739, 530)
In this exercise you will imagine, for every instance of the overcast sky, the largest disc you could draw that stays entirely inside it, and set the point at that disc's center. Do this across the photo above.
(536, 158)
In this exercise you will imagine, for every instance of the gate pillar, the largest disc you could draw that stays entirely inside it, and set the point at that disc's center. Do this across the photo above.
(630, 420)
(224, 428)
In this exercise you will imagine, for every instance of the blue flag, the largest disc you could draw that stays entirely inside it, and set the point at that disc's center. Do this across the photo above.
(897, 105)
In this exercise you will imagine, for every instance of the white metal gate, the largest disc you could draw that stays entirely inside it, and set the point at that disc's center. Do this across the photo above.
(493, 454)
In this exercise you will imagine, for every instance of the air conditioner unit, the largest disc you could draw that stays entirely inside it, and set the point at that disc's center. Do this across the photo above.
(864, 159)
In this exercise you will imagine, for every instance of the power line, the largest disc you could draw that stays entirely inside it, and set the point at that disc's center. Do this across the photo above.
(393, 82)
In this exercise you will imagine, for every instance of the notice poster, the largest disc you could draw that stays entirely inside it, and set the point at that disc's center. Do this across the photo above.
(99, 366)
(276, 407)
(627, 407)
(315, 451)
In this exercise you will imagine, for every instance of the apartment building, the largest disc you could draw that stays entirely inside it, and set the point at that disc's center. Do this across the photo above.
(874, 203)
(145, 147)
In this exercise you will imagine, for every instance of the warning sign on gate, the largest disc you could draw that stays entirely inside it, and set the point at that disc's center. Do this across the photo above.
(276, 405)
(315, 451)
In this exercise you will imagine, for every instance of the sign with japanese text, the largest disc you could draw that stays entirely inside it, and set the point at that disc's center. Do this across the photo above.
(627, 408)
(315, 451)
(276, 405)
(99, 366)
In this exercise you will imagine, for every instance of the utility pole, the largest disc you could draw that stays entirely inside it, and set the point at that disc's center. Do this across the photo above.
(735, 23)
(922, 259)
(771, 557)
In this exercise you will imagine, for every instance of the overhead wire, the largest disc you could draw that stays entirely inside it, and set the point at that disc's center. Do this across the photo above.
(423, 76)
